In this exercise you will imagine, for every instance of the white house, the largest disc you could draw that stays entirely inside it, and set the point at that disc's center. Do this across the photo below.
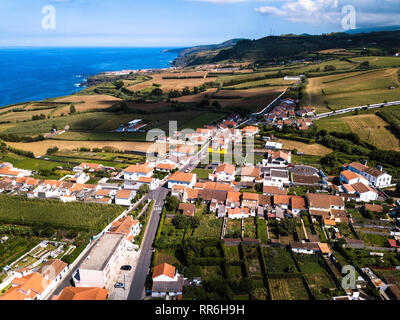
(166, 281)
(238, 213)
(181, 178)
(350, 177)
(136, 171)
(224, 172)
(124, 197)
(365, 192)
(375, 176)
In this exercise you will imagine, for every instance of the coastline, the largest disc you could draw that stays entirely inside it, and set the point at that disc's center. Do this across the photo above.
(58, 72)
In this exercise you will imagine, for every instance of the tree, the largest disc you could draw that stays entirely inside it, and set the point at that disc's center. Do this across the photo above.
(144, 188)
(180, 221)
(192, 271)
(171, 203)
(157, 92)
(286, 227)
(72, 109)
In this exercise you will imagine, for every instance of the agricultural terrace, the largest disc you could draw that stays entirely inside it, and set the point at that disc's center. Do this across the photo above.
(39, 148)
(167, 81)
(84, 103)
(353, 89)
(369, 127)
(309, 149)
(74, 215)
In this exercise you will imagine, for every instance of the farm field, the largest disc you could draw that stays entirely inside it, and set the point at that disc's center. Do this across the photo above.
(369, 127)
(309, 149)
(172, 84)
(352, 89)
(287, 289)
(90, 102)
(209, 227)
(39, 148)
(262, 83)
(372, 129)
(76, 215)
(279, 260)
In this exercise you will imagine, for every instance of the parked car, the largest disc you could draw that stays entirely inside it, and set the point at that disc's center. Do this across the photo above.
(126, 268)
(119, 285)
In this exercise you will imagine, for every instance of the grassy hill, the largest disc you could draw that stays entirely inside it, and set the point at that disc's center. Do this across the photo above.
(283, 47)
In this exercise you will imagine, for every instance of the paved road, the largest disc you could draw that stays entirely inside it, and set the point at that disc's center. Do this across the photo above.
(137, 290)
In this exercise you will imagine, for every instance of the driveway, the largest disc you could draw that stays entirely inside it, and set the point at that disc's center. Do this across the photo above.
(131, 258)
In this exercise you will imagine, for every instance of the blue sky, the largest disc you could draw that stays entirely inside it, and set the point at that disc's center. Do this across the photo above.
(179, 22)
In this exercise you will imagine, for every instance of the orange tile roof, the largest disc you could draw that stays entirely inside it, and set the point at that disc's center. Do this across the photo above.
(250, 129)
(165, 166)
(26, 287)
(52, 268)
(123, 225)
(192, 193)
(81, 293)
(324, 247)
(349, 175)
(329, 222)
(138, 168)
(90, 165)
(181, 176)
(124, 194)
(237, 211)
(281, 199)
(7, 171)
(179, 187)
(298, 202)
(164, 269)
(102, 192)
(228, 168)
(273, 190)
(145, 179)
(209, 185)
(250, 196)
(233, 196)
(199, 185)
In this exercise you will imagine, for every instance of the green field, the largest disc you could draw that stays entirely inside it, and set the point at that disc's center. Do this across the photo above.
(279, 260)
(75, 215)
(353, 89)
(367, 125)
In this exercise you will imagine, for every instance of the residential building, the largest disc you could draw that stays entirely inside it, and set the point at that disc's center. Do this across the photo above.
(166, 281)
(136, 171)
(224, 172)
(30, 287)
(102, 262)
(76, 293)
(375, 176)
(181, 178)
(250, 174)
(124, 197)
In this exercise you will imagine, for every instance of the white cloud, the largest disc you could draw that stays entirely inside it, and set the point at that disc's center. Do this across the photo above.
(369, 12)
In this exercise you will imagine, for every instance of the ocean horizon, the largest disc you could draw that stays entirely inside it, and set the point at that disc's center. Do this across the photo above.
(37, 73)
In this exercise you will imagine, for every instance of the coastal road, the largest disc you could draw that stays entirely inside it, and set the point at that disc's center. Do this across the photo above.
(137, 290)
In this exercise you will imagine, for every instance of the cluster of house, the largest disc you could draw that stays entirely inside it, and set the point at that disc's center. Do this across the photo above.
(285, 114)
(92, 275)
(221, 190)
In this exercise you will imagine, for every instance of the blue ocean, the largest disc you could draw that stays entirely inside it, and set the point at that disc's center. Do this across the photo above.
(32, 74)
